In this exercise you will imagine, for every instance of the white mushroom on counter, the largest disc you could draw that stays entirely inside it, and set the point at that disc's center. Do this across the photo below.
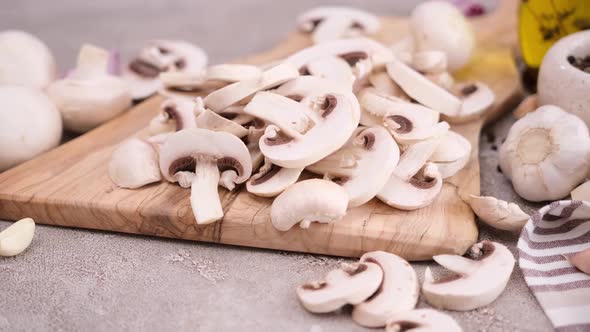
(89, 96)
(352, 283)
(200, 159)
(25, 60)
(498, 213)
(134, 163)
(30, 125)
(480, 278)
(398, 292)
(161, 56)
(331, 22)
(422, 320)
(546, 154)
(308, 201)
(17, 237)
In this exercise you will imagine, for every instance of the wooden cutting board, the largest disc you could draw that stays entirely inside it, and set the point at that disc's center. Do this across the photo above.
(69, 186)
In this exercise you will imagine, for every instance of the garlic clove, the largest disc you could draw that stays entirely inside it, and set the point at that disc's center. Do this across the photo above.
(17, 237)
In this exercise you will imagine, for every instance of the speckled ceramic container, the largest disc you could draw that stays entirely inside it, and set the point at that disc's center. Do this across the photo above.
(562, 84)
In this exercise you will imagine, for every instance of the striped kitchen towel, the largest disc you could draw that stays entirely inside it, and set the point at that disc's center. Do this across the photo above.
(561, 228)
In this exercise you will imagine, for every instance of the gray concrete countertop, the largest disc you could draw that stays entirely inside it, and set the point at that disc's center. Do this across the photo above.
(79, 280)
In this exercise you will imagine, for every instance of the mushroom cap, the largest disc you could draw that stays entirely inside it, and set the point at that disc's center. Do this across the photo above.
(336, 117)
(30, 124)
(422, 89)
(134, 163)
(332, 68)
(546, 154)
(440, 26)
(176, 114)
(360, 19)
(375, 155)
(181, 149)
(423, 320)
(25, 60)
(17, 237)
(308, 201)
(480, 279)
(88, 103)
(415, 193)
(398, 292)
(477, 98)
(350, 284)
(272, 180)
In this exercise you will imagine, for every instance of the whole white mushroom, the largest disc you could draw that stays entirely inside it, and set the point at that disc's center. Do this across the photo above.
(30, 124)
(440, 26)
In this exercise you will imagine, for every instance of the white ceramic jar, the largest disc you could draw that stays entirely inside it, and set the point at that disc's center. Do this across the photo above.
(562, 84)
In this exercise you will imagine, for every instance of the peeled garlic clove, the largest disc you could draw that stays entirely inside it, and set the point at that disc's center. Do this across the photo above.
(17, 237)
(581, 261)
(499, 214)
(582, 192)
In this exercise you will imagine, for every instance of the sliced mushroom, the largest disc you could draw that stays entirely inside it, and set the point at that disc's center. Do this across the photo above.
(30, 124)
(422, 320)
(498, 213)
(440, 26)
(383, 83)
(526, 106)
(161, 56)
(423, 90)
(177, 114)
(398, 292)
(333, 118)
(134, 163)
(452, 154)
(219, 100)
(17, 237)
(404, 49)
(207, 119)
(430, 62)
(90, 97)
(481, 278)
(330, 23)
(333, 68)
(308, 201)
(352, 283)
(581, 192)
(213, 77)
(444, 80)
(25, 60)
(367, 159)
(199, 158)
(310, 86)
(272, 180)
(580, 260)
(477, 98)
(546, 154)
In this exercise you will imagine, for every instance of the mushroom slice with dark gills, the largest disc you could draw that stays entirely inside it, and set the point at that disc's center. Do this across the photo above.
(333, 22)
(237, 92)
(481, 277)
(414, 183)
(407, 122)
(271, 180)
(214, 77)
(176, 114)
(476, 98)
(352, 283)
(162, 56)
(317, 126)
(398, 292)
(422, 320)
(363, 165)
(199, 158)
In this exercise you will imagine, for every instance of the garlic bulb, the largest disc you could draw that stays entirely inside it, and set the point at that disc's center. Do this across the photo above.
(546, 154)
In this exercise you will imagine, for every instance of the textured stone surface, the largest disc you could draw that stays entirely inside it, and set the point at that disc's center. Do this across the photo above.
(72, 280)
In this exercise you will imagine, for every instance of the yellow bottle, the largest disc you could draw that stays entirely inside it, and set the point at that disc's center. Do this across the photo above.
(543, 22)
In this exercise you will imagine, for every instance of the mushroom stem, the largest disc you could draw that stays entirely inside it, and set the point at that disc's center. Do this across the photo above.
(204, 196)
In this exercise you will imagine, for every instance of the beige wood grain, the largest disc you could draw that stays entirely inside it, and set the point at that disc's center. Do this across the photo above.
(69, 186)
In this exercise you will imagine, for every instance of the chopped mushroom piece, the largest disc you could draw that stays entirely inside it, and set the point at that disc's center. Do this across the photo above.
(272, 180)
(381, 81)
(546, 154)
(200, 159)
(422, 320)
(134, 163)
(177, 114)
(398, 292)
(498, 213)
(352, 283)
(452, 154)
(213, 77)
(308, 201)
(207, 119)
(17, 237)
(481, 278)
(363, 165)
(331, 22)
(477, 98)
(333, 68)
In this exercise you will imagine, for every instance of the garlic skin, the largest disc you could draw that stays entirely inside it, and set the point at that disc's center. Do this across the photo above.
(498, 213)
(546, 154)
